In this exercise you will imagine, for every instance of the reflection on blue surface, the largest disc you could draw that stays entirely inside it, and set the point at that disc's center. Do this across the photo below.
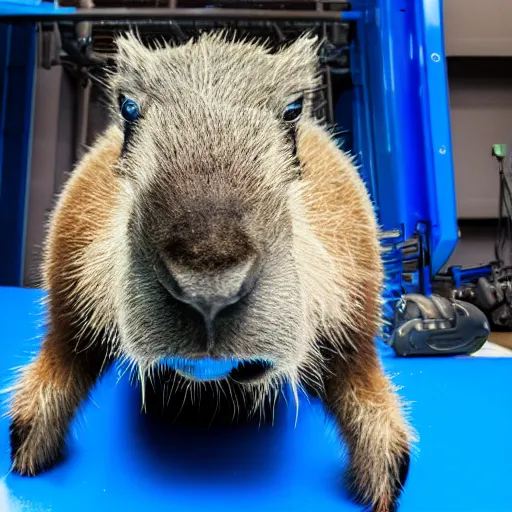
(121, 459)
(6, 503)
(202, 369)
(207, 368)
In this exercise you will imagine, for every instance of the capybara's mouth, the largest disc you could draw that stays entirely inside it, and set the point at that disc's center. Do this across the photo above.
(207, 369)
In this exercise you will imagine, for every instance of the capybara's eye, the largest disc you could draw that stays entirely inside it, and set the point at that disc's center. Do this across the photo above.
(293, 111)
(129, 109)
(130, 112)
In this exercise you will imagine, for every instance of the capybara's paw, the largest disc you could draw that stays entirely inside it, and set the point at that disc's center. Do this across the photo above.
(33, 450)
(381, 488)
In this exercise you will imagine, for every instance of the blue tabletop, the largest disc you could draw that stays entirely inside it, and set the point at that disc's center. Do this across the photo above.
(120, 460)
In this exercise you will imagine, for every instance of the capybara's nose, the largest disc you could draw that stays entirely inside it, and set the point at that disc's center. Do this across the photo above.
(208, 292)
(209, 260)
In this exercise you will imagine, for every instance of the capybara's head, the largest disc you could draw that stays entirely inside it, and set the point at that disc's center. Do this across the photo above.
(221, 259)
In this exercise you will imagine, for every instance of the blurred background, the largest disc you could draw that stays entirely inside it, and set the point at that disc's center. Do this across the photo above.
(70, 111)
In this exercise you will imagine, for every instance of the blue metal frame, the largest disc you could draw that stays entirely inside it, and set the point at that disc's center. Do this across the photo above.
(5, 44)
(442, 199)
(397, 116)
(18, 46)
(10, 7)
(18, 57)
(401, 127)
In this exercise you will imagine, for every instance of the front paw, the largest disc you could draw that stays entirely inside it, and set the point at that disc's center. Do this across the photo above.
(34, 449)
(389, 502)
(380, 487)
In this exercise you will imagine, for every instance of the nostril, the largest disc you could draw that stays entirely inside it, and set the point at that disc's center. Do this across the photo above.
(210, 309)
(207, 292)
(167, 280)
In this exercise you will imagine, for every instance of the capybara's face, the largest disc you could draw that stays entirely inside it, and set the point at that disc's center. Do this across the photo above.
(216, 222)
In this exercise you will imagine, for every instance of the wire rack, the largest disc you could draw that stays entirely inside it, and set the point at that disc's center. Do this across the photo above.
(89, 46)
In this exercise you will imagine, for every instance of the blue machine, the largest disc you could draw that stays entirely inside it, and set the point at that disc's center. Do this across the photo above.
(402, 128)
(399, 111)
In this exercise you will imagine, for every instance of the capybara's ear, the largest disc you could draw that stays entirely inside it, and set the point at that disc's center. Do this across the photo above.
(301, 56)
(131, 53)
(296, 67)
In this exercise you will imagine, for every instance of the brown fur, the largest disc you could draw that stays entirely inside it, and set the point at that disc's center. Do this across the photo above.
(54, 385)
(333, 241)
(356, 388)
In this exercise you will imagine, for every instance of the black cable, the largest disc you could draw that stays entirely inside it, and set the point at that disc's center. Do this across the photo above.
(508, 206)
(499, 244)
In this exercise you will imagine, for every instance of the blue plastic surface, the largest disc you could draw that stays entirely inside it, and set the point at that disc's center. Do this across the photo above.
(118, 460)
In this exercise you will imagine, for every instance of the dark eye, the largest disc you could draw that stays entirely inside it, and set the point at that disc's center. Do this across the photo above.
(129, 109)
(130, 112)
(293, 111)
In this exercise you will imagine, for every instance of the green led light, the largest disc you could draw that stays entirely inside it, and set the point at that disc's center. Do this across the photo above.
(499, 150)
